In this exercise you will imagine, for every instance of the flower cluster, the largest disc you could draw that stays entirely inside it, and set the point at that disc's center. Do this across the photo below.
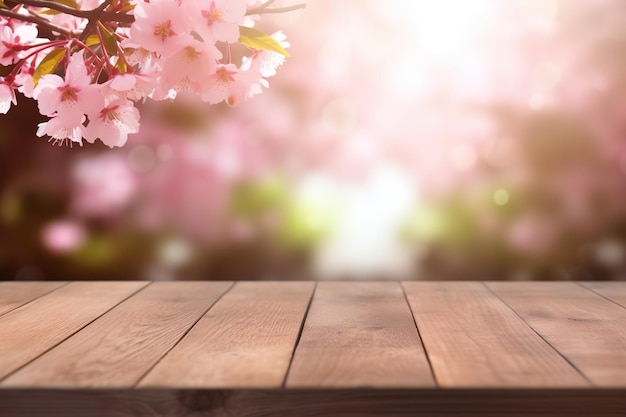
(89, 62)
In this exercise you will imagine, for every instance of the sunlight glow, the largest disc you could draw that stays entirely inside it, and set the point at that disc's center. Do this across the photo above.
(445, 27)
(365, 243)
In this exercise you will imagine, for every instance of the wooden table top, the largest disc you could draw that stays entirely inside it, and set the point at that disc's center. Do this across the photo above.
(216, 337)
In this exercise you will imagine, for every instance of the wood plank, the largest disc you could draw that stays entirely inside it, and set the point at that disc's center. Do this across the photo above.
(359, 334)
(116, 350)
(315, 402)
(613, 290)
(586, 328)
(474, 340)
(27, 332)
(245, 340)
(14, 294)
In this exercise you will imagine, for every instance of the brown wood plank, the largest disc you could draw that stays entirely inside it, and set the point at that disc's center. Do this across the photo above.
(121, 346)
(359, 334)
(27, 332)
(586, 328)
(313, 403)
(474, 340)
(614, 291)
(14, 294)
(245, 340)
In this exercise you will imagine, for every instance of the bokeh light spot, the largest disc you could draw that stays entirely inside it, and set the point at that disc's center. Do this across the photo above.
(141, 158)
(63, 236)
(175, 252)
(501, 197)
(164, 152)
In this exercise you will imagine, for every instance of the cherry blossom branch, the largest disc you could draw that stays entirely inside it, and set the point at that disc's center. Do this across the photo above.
(36, 20)
(103, 6)
(101, 80)
(90, 25)
(97, 13)
(266, 4)
(59, 7)
(263, 9)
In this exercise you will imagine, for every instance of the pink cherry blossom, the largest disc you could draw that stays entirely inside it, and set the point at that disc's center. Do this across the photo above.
(72, 97)
(218, 20)
(139, 49)
(61, 132)
(7, 96)
(14, 41)
(190, 68)
(231, 85)
(113, 123)
(133, 86)
(24, 81)
(160, 26)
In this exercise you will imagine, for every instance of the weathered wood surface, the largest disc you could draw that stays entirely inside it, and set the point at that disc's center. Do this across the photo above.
(122, 346)
(16, 294)
(587, 329)
(475, 340)
(29, 331)
(246, 340)
(614, 291)
(307, 349)
(359, 334)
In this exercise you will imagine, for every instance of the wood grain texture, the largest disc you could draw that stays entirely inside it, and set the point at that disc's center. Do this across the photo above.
(475, 340)
(614, 291)
(14, 294)
(245, 340)
(586, 328)
(121, 346)
(29, 331)
(310, 403)
(359, 334)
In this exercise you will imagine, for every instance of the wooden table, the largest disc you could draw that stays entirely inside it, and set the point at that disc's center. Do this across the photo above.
(312, 349)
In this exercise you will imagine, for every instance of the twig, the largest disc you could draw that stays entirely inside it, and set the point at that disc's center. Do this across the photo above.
(36, 20)
(263, 10)
(266, 4)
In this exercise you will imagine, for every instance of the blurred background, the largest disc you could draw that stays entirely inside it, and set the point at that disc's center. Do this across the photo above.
(424, 139)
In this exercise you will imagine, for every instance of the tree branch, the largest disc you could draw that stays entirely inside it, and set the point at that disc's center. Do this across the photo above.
(94, 14)
(58, 7)
(36, 20)
(264, 10)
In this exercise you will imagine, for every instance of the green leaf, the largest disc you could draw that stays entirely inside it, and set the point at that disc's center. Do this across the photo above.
(121, 65)
(256, 39)
(49, 63)
(92, 40)
(127, 8)
(110, 41)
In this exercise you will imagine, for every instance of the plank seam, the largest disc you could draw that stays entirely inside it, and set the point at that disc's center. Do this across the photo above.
(145, 374)
(599, 294)
(295, 347)
(73, 333)
(539, 334)
(419, 334)
(36, 298)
